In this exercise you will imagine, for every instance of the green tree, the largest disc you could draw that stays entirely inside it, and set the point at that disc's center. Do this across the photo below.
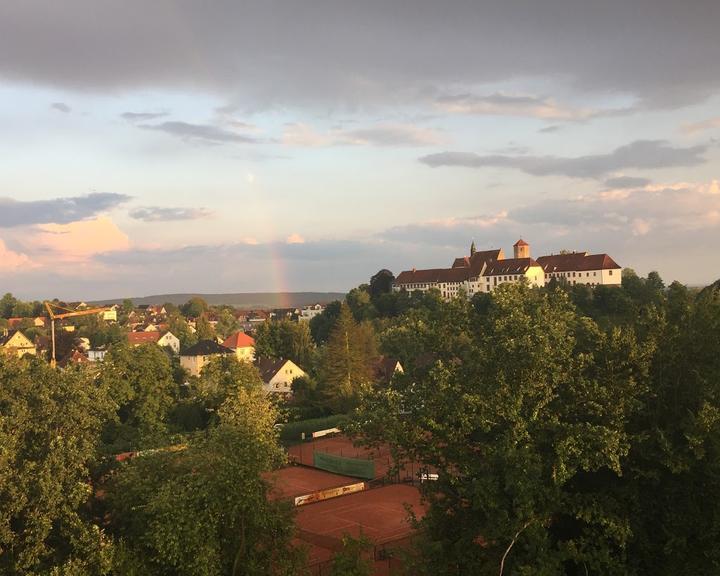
(381, 283)
(352, 559)
(348, 360)
(322, 324)
(525, 424)
(675, 463)
(194, 308)
(7, 303)
(285, 339)
(140, 382)
(205, 510)
(203, 329)
(222, 378)
(50, 425)
(360, 304)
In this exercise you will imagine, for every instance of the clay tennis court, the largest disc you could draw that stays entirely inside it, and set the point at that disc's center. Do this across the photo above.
(341, 445)
(379, 514)
(299, 480)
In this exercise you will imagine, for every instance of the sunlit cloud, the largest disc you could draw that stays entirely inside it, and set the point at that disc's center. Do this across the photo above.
(295, 238)
(303, 135)
(11, 261)
(696, 127)
(55, 244)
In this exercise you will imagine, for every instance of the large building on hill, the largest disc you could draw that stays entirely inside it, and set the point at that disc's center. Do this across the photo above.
(486, 270)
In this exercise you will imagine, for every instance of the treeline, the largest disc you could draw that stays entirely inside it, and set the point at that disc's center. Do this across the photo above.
(573, 431)
(127, 469)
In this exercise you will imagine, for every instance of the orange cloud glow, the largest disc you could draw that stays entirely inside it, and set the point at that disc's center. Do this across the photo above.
(78, 241)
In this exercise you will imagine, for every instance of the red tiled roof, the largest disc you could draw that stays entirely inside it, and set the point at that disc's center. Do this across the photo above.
(463, 262)
(239, 340)
(137, 338)
(434, 275)
(576, 261)
(521, 242)
(479, 259)
(509, 266)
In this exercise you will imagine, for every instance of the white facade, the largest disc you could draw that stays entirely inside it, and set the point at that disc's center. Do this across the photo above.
(171, 341)
(96, 355)
(485, 271)
(309, 312)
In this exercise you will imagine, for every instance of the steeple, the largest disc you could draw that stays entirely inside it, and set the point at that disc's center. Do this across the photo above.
(521, 249)
(472, 248)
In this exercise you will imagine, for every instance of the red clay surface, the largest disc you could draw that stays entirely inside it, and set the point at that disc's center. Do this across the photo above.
(378, 514)
(298, 480)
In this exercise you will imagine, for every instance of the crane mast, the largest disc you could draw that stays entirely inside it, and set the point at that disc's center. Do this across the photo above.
(57, 312)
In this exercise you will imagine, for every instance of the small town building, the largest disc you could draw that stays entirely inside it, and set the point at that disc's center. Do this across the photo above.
(385, 368)
(17, 344)
(194, 358)
(96, 354)
(242, 344)
(166, 339)
(485, 271)
(309, 312)
(277, 375)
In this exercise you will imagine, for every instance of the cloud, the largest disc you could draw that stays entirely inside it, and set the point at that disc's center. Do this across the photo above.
(61, 107)
(550, 129)
(709, 124)
(162, 214)
(203, 133)
(667, 207)
(452, 231)
(499, 104)
(322, 54)
(277, 266)
(58, 210)
(295, 238)
(74, 242)
(142, 116)
(627, 182)
(11, 261)
(641, 154)
(302, 135)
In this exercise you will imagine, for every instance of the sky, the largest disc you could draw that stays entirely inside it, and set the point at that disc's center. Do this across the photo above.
(291, 145)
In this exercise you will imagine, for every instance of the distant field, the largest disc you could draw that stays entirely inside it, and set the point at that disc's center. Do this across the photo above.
(241, 299)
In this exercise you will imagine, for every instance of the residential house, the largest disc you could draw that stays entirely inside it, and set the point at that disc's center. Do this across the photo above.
(17, 344)
(109, 315)
(385, 368)
(242, 344)
(97, 354)
(166, 339)
(309, 312)
(194, 358)
(277, 375)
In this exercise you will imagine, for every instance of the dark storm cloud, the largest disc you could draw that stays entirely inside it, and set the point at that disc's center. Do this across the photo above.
(142, 116)
(160, 214)
(61, 107)
(58, 210)
(641, 154)
(286, 52)
(203, 133)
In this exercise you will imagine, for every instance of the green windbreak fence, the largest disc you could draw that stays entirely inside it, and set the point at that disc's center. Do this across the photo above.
(345, 466)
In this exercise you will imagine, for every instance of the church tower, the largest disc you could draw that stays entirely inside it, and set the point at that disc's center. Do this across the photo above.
(472, 248)
(521, 249)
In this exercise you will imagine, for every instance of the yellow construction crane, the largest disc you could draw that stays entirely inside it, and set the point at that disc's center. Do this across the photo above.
(61, 314)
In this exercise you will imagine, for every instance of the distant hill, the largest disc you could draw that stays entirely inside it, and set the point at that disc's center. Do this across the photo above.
(248, 300)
